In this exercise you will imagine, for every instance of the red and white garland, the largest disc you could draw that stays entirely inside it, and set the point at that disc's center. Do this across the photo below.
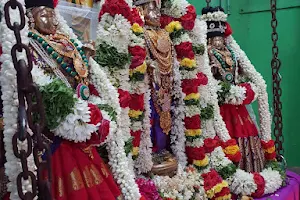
(197, 148)
(140, 96)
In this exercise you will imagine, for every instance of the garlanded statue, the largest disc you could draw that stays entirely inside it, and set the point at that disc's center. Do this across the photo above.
(78, 170)
(160, 64)
(236, 92)
(234, 85)
(81, 106)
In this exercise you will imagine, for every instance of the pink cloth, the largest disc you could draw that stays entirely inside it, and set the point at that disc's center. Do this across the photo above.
(289, 192)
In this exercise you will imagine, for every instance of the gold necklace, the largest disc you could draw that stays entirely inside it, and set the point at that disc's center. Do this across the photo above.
(73, 54)
(160, 46)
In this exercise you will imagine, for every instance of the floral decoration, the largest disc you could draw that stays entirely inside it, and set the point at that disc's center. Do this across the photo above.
(8, 79)
(140, 95)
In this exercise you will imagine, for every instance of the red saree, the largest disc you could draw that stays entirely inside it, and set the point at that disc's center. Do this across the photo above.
(241, 127)
(80, 174)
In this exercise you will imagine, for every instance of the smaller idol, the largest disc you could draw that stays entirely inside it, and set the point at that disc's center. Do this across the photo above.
(160, 71)
(225, 66)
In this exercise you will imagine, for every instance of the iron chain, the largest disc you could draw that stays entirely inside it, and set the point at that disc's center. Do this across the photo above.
(30, 105)
(208, 3)
(277, 91)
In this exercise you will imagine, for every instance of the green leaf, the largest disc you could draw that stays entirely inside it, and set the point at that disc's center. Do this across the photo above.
(207, 112)
(225, 87)
(228, 171)
(199, 49)
(58, 101)
(107, 108)
(108, 56)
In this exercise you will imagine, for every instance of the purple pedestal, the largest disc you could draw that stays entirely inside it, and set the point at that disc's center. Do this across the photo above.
(289, 192)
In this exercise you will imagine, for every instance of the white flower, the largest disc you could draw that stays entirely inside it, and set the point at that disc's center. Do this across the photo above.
(273, 180)
(39, 77)
(243, 183)
(177, 8)
(236, 96)
(215, 16)
(75, 127)
(114, 31)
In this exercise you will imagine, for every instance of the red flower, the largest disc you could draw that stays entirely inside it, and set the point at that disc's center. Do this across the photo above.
(137, 138)
(228, 31)
(124, 98)
(137, 102)
(195, 153)
(211, 179)
(138, 51)
(202, 78)
(104, 130)
(270, 156)
(188, 20)
(189, 86)
(210, 145)
(93, 90)
(114, 7)
(235, 158)
(230, 142)
(55, 2)
(96, 115)
(267, 145)
(185, 50)
(136, 18)
(192, 122)
(139, 56)
(260, 182)
(136, 61)
(225, 191)
(165, 20)
(191, 9)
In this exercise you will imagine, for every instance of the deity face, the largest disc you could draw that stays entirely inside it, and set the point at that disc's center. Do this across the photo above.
(218, 42)
(152, 14)
(45, 20)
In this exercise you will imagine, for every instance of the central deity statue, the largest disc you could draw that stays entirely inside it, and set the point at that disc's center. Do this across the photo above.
(160, 71)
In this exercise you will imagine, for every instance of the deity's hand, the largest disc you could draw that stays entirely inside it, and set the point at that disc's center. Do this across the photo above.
(89, 49)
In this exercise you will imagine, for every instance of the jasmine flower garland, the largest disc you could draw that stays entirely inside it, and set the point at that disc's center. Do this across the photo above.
(10, 102)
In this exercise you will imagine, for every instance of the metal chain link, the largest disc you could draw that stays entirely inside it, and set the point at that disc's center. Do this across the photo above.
(277, 91)
(30, 105)
(208, 2)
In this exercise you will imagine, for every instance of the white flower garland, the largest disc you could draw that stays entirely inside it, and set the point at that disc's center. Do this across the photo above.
(215, 16)
(75, 127)
(257, 79)
(177, 132)
(114, 31)
(9, 97)
(115, 141)
(236, 96)
(177, 9)
(208, 92)
(144, 162)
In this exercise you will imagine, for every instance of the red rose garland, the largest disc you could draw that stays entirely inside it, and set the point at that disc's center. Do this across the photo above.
(269, 149)
(138, 69)
(114, 7)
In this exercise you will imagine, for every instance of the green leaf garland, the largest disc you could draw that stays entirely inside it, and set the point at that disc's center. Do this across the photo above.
(108, 56)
